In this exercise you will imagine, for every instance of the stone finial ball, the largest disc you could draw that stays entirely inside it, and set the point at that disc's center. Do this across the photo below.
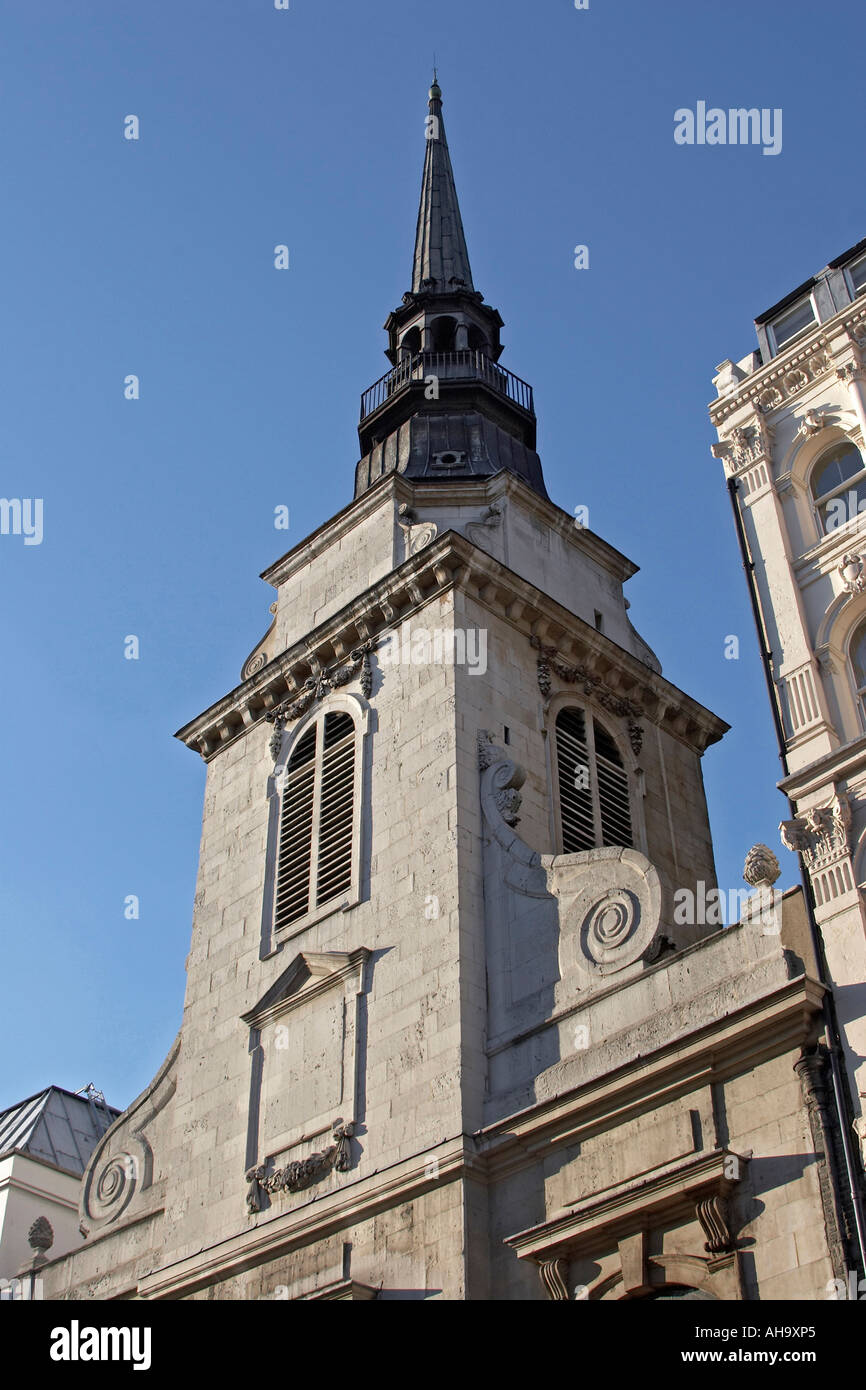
(761, 866)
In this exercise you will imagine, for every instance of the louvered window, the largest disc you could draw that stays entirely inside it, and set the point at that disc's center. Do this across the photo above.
(592, 783)
(317, 819)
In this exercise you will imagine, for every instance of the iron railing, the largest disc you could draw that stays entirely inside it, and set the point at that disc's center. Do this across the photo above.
(466, 365)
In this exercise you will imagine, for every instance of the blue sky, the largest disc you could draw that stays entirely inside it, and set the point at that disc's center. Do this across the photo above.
(155, 257)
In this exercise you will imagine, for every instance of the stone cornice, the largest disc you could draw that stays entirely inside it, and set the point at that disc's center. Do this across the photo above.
(447, 563)
(594, 1223)
(772, 376)
(823, 557)
(839, 765)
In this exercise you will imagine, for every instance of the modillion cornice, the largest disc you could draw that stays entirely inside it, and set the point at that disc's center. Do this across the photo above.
(449, 562)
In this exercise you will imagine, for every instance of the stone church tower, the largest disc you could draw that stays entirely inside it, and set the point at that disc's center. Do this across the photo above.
(445, 1033)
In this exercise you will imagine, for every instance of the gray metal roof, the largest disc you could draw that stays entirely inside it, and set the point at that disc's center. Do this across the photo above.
(57, 1127)
(440, 243)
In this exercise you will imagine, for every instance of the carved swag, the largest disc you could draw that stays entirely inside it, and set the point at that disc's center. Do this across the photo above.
(317, 686)
(549, 660)
(301, 1173)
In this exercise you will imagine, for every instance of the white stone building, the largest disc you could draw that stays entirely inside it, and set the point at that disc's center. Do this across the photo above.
(791, 420)
(444, 1034)
(45, 1143)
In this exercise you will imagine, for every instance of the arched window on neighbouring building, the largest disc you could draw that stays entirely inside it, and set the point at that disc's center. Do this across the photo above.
(838, 486)
(593, 784)
(857, 655)
(318, 832)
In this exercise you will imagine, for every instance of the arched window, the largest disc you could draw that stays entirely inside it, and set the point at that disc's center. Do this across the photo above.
(838, 486)
(411, 342)
(477, 339)
(443, 332)
(857, 653)
(318, 834)
(594, 803)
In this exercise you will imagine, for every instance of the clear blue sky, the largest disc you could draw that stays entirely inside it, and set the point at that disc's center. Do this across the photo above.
(155, 257)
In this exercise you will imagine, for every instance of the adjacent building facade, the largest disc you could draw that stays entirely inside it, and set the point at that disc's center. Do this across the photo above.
(446, 1034)
(45, 1143)
(791, 420)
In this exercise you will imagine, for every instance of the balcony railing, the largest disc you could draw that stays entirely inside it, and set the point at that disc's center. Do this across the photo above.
(467, 365)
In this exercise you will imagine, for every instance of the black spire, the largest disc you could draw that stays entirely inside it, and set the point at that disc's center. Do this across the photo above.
(446, 410)
(441, 257)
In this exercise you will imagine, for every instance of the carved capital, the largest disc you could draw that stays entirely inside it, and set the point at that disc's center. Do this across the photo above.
(821, 834)
(745, 444)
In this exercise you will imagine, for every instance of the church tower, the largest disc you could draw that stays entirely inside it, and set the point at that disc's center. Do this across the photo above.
(459, 1023)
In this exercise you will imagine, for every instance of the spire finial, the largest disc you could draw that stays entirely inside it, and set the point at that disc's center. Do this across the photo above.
(441, 259)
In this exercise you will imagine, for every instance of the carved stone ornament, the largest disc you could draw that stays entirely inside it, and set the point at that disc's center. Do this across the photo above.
(422, 536)
(761, 866)
(812, 423)
(41, 1235)
(747, 443)
(488, 522)
(550, 661)
(852, 572)
(301, 1173)
(712, 1213)
(316, 687)
(506, 796)
(120, 1168)
(553, 1274)
(602, 906)
(417, 535)
(821, 834)
(259, 659)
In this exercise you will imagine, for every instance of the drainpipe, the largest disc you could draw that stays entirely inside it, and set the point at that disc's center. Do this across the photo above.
(842, 1101)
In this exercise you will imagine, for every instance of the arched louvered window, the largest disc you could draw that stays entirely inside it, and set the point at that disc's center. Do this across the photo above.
(593, 785)
(317, 836)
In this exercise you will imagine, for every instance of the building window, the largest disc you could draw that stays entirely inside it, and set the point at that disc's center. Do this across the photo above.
(838, 485)
(318, 832)
(857, 653)
(594, 801)
(792, 323)
(856, 273)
